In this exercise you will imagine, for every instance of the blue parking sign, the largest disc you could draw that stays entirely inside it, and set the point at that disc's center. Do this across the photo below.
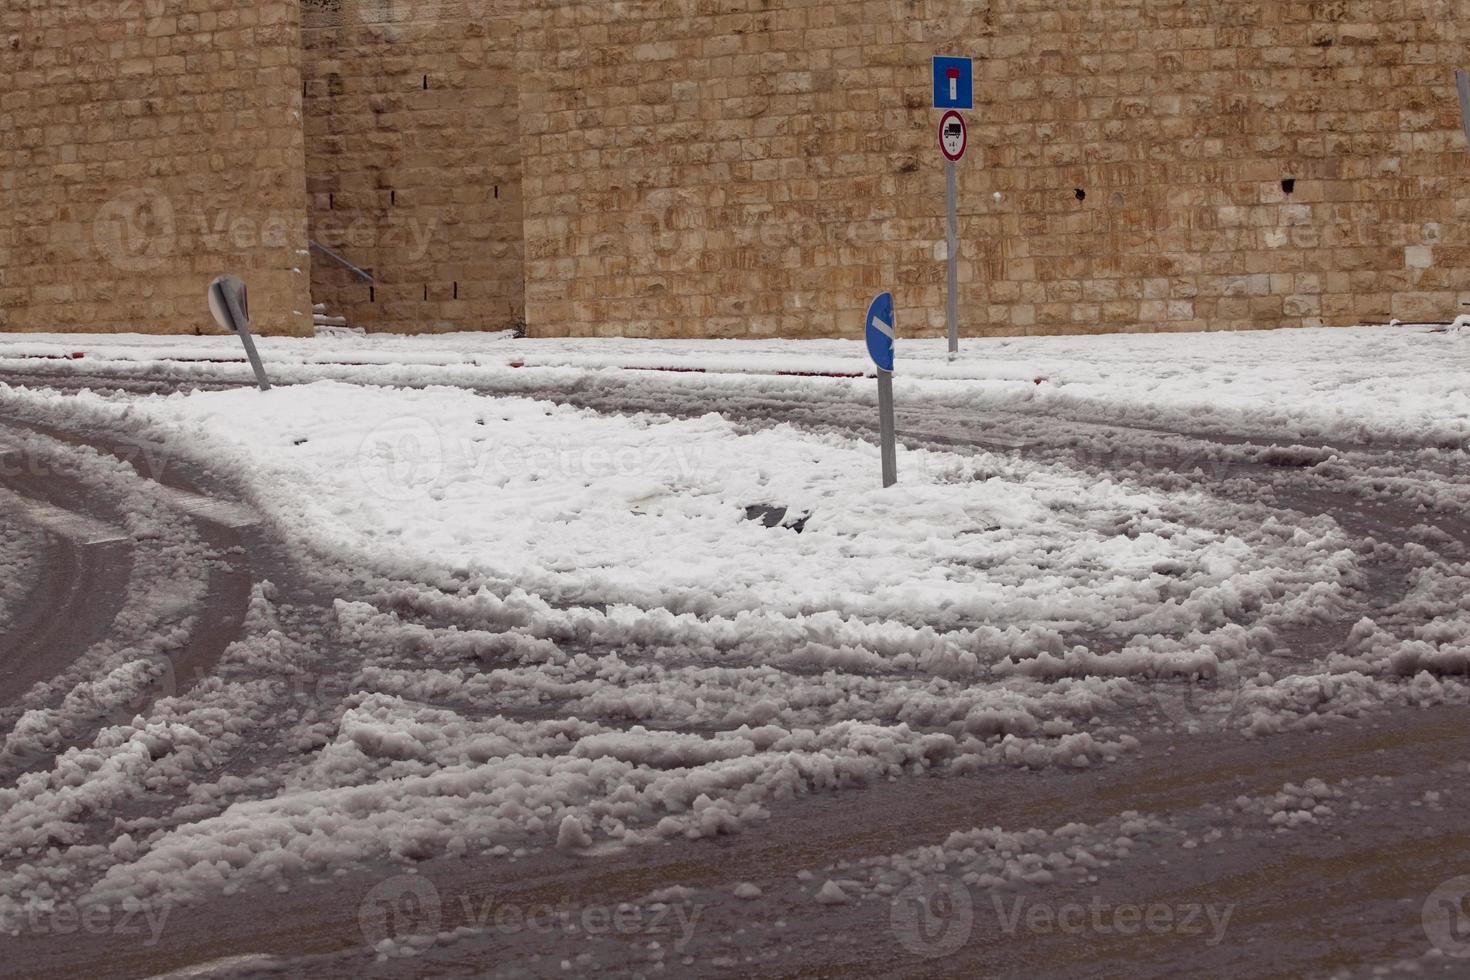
(954, 83)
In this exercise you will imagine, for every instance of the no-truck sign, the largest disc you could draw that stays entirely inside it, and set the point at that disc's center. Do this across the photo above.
(953, 136)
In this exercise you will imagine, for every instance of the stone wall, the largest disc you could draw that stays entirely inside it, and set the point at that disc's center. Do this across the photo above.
(731, 167)
(413, 162)
(752, 168)
(145, 147)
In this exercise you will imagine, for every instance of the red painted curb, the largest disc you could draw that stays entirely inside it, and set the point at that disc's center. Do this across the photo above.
(78, 355)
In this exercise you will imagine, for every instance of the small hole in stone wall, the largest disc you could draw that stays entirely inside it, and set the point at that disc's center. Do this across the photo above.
(456, 290)
(331, 201)
(1288, 185)
(393, 198)
(426, 294)
(497, 192)
(372, 294)
(426, 83)
(1079, 194)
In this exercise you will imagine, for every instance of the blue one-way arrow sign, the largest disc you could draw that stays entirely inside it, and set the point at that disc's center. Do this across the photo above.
(881, 332)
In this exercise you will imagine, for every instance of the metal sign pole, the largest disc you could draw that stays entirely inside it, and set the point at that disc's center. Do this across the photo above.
(1463, 84)
(250, 352)
(954, 90)
(954, 269)
(887, 431)
(882, 336)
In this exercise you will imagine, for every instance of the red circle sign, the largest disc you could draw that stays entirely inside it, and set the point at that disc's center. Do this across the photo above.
(953, 136)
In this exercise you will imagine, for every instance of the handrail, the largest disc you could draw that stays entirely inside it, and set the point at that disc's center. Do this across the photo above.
(364, 276)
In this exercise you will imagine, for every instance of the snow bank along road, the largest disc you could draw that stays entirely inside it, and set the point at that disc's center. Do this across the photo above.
(432, 668)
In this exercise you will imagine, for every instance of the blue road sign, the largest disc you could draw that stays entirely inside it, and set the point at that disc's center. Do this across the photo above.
(954, 83)
(881, 332)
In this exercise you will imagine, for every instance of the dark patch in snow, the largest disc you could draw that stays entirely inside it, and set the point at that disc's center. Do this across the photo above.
(772, 516)
(1298, 457)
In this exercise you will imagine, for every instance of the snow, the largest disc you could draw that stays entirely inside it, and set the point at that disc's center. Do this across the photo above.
(1398, 382)
(572, 836)
(649, 511)
(568, 634)
(832, 894)
(18, 545)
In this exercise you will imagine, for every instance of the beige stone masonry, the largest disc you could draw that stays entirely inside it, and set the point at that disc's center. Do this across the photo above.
(741, 168)
(744, 168)
(147, 146)
(413, 161)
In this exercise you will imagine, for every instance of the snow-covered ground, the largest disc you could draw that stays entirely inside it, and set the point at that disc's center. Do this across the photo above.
(17, 544)
(1387, 382)
(554, 628)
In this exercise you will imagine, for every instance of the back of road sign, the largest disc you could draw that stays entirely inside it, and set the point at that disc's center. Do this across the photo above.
(880, 332)
(228, 302)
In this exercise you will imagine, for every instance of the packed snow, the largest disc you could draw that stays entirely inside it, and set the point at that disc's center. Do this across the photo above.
(17, 547)
(1399, 382)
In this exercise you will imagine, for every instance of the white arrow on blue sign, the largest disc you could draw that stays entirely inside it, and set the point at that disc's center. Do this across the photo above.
(881, 332)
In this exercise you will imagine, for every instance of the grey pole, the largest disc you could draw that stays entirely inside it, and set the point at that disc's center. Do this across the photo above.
(954, 268)
(887, 433)
(1463, 84)
(250, 352)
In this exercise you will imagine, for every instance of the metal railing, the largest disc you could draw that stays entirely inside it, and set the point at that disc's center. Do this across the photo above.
(360, 273)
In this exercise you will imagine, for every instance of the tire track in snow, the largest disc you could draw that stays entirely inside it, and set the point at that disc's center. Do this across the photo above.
(86, 586)
(1281, 892)
(69, 607)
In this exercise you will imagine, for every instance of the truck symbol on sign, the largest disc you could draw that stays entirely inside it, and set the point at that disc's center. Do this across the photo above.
(952, 136)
